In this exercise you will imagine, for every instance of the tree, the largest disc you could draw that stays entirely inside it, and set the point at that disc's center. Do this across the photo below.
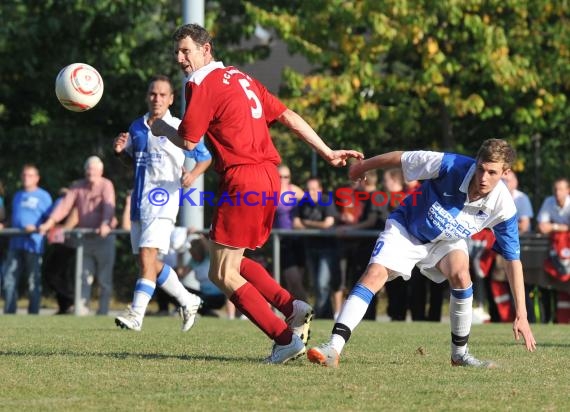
(423, 74)
(127, 41)
(391, 74)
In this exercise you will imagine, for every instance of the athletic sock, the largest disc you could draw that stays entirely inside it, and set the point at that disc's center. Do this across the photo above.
(260, 279)
(460, 316)
(168, 281)
(350, 315)
(249, 301)
(144, 289)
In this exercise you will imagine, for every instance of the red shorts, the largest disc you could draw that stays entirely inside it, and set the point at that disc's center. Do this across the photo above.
(245, 206)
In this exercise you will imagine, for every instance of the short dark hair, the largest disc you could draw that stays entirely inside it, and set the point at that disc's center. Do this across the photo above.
(316, 179)
(161, 78)
(196, 32)
(561, 179)
(497, 151)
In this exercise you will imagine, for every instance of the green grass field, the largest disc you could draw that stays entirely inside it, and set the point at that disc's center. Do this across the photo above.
(79, 364)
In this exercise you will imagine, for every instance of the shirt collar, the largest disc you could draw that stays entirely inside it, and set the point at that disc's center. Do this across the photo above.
(491, 196)
(199, 75)
(465, 184)
(167, 117)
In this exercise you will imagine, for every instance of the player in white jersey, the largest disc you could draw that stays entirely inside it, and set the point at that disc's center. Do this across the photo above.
(460, 196)
(159, 172)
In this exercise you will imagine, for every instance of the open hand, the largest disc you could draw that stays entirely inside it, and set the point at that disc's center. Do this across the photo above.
(521, 327)
(339, 158)
(120, 142)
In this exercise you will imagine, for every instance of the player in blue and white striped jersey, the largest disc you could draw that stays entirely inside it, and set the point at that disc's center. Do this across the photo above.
(460, 196)
(158, 176)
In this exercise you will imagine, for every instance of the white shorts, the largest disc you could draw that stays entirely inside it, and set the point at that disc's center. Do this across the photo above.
(399, 252)
(152, 233)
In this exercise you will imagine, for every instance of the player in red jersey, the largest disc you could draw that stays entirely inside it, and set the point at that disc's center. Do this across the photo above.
(234, 111)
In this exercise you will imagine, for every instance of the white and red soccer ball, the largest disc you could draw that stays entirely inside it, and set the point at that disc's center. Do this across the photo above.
(78, 87)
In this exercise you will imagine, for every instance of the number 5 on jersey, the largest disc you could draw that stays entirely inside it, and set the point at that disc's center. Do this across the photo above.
(256, 109)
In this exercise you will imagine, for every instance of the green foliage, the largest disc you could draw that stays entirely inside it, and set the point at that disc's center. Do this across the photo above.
(120, 39)
(437, 75)
(386, 75)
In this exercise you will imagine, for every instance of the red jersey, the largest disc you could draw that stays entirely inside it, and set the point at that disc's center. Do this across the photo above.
(234, 111)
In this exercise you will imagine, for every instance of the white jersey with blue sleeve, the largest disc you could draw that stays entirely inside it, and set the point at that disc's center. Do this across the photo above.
(158, 169)
(440, 210)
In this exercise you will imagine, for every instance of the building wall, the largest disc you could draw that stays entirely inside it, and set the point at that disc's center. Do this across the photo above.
(269, 71)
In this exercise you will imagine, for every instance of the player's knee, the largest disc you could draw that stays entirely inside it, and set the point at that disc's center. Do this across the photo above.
(222, 275)
(215, 276)
(374, 277)
(460, 279)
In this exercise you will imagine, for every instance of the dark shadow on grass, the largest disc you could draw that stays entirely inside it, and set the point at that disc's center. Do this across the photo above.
(552, 345)
(127, 355)
(539, 345)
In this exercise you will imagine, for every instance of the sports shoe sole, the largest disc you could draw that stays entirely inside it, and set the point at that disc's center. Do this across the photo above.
(306, 332)
(297, 356)
(187, 328)
(292, 358)
(319, 358)
(120, 323)
(485, 365)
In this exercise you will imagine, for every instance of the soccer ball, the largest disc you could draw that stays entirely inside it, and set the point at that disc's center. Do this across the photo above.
(78, 87)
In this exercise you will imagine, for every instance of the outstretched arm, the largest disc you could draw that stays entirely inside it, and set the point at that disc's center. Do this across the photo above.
(383, 161)
(514, 272)
(306, 133)
(160, 128)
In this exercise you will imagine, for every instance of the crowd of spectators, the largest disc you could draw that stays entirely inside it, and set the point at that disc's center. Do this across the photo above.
(318, 268)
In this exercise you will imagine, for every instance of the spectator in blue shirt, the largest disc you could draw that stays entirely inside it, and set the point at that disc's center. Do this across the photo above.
(30, 207)
(522, 203)
(3, 239)
(2, 207)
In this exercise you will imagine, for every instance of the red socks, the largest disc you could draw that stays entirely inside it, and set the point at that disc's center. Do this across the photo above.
(251, 299)
(256, 274)
(250, 302)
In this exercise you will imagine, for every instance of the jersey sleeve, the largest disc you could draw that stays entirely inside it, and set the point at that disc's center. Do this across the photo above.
(507, 234)
(421, 165)
(198, 113)
(200, 153)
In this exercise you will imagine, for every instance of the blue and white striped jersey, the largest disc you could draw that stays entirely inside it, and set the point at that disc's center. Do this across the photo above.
(442, 210)
(158, 169)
